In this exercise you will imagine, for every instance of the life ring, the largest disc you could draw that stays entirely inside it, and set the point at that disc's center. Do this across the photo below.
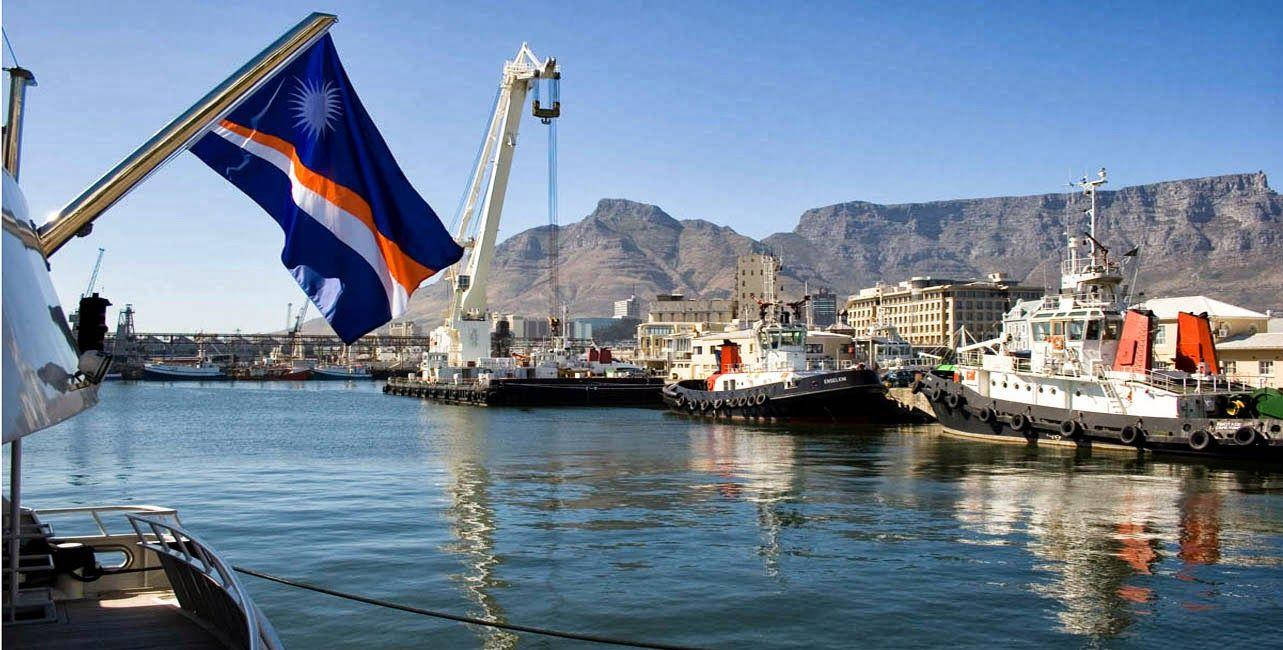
(953, 400)
(1057, 342)
(1071, 429)
(1019, 422)
(1247, 436)
(1200, 440)
(1132, 435)
(986, 415)
(759, 399)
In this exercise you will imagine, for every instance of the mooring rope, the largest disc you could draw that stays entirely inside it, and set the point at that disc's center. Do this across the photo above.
(462, 619)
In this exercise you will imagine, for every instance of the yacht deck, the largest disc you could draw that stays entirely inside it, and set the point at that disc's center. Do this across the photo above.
(118, 620)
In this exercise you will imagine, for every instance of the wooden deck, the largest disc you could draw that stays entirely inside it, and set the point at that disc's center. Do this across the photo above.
(117, 621)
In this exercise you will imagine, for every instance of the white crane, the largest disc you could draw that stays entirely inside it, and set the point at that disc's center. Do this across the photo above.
(93, 277)
(465, 335)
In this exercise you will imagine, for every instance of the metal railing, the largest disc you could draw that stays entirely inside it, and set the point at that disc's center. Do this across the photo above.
(96, 512)
(205, 585)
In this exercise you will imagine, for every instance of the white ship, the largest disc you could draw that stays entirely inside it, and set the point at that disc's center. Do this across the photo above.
(1075, 368)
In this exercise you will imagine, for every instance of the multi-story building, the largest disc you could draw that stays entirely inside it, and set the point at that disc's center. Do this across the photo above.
(629, 307)
(525, 327)
(756, 275)
(824, 309)
(933, 312)
(401, 328)
(675, 308)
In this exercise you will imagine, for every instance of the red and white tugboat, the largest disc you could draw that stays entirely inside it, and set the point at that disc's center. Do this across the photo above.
(779, 382)
(1076, 369)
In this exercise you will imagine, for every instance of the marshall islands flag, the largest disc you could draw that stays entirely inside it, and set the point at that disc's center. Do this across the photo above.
(358, 238)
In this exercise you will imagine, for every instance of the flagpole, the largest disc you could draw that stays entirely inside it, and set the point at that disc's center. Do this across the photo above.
(78, 215)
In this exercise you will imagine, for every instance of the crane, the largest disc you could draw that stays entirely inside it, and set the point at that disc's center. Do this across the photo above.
(465, 334)
(93, 277)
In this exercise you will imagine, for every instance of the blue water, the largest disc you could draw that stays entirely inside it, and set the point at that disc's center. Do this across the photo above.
(637, 523)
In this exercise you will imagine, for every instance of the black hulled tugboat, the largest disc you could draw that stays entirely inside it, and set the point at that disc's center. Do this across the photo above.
(779, 383)
(1076, 369)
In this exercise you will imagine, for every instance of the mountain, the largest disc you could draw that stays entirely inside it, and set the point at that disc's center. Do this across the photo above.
(1221, 236)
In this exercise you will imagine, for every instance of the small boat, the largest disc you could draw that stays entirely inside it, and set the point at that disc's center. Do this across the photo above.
(176, 372)
(340, 372)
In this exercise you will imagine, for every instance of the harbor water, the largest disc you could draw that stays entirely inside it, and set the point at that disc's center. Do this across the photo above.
(637, 523)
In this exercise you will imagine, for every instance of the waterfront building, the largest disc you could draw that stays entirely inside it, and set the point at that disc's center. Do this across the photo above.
(526, 327)
(629, 307)
(756, 275)
(402, 328)
(824, 308)
(676, 308)
(1227, 322)
(1256, 358)
(931, 312)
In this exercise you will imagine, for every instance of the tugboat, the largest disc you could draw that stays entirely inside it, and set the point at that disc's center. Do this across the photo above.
(1077, 369)
(780, 383)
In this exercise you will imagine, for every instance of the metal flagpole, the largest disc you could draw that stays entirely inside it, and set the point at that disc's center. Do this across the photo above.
(176, 136)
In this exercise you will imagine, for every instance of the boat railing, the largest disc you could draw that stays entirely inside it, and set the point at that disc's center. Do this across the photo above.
(95, 513)
(205, 585)
(1083, 265)
(1177, 381)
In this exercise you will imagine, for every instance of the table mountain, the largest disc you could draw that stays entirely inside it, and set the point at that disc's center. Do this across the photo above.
(1221, 236)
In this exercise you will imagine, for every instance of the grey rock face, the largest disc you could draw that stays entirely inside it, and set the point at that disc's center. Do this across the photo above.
(1220, 236)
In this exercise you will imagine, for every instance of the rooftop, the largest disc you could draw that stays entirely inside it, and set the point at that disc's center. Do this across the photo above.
(1166, 308)
(1259, 341)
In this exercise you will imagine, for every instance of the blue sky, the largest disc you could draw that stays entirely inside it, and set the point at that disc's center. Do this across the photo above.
(744, 114)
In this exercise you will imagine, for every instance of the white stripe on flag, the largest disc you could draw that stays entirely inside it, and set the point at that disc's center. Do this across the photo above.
(345, 226)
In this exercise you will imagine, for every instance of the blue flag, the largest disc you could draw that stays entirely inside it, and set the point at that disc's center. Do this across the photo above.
(358, 238)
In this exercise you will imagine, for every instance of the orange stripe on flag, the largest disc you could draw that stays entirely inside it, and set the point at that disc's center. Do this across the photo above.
(405, 270)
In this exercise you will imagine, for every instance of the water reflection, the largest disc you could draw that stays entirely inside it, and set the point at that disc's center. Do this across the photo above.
(471, 515)
(757, 467)
(1101, 537)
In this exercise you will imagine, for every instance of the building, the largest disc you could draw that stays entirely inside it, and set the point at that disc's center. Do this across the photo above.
(589, 326)
(756, 275)
(1256, 358)
(675, 308)
(525, 327)
(1227, 321)
(932, 312)
(660, 345)
(824, 309)
(402, 328)
(629, 307)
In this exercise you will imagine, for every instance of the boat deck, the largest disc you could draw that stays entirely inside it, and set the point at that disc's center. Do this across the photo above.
(150, 619)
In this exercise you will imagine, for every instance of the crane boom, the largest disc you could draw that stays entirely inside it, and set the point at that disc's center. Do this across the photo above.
(93, 277)
(465, 334)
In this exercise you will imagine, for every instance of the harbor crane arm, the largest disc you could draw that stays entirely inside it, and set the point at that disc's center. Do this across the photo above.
(93, 277)
(489, 183)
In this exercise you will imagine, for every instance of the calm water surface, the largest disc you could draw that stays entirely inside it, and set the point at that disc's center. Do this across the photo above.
(635, 523)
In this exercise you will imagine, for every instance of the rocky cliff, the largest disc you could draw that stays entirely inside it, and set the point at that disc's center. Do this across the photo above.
(1221, 236)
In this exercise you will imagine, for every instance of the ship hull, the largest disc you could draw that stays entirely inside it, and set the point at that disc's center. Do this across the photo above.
(322, 374)
(972, 415)
(563, 391)
(840, 395)
(178, 373)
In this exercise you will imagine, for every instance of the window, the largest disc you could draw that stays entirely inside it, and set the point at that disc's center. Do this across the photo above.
(1111, 330)
(1266, 367)
(1093, 330)
(1160, 337)
(1076, 330)
(1229, 367)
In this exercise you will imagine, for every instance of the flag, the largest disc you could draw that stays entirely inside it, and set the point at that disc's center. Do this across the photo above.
(358, 238)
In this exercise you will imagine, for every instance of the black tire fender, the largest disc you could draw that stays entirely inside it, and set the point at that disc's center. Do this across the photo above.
(915, 387)
(1246, 436)
(936, 393)
(1071, 429)
(1132, 435)
(759, 399)
(953, 400)
(1200, 440)
(1019, 422)
(986, 415)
